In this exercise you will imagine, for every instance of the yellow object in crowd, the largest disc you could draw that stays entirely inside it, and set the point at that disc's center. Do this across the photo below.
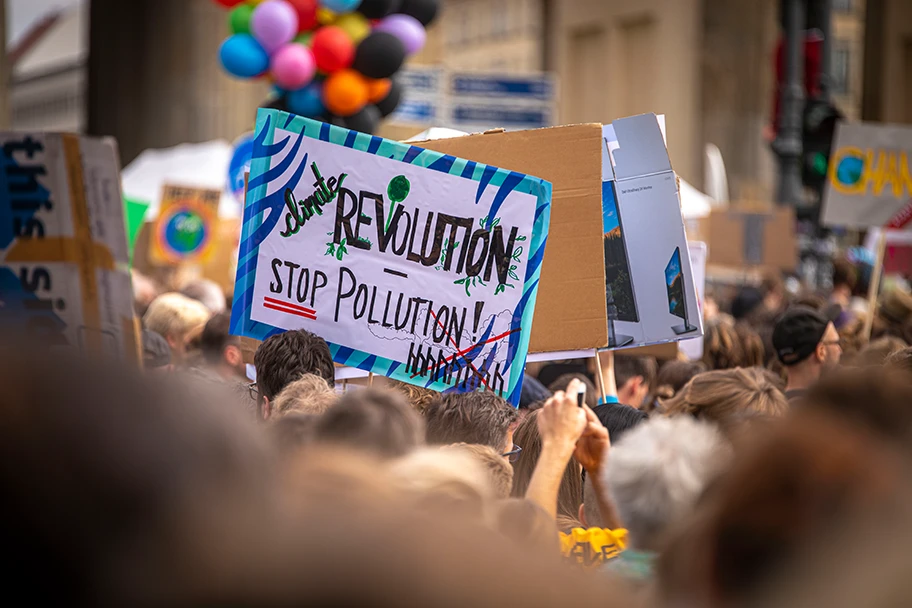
(594, 546)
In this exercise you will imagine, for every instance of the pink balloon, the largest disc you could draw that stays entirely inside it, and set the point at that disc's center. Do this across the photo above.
(293, 66)
(407, 29)
(274, 23)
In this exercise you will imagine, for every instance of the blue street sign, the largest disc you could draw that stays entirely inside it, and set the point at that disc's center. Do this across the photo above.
(501, 115)
(538, 87)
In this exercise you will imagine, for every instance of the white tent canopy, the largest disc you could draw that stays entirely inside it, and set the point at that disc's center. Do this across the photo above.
(202, 165)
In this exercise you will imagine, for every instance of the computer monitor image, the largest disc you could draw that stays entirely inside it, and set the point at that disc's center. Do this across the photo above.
(674, 283)
(619, 295)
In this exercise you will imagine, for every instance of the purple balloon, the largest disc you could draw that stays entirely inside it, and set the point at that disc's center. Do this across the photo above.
(274, 24)
(407, 29)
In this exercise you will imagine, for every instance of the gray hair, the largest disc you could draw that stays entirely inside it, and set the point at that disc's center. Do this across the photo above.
(657, 472)
(206, 292)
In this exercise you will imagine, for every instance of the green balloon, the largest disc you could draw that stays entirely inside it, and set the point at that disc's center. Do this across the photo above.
(304, 38)
(239, 19)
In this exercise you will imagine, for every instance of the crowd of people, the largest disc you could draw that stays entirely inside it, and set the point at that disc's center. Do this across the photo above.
(773, 471)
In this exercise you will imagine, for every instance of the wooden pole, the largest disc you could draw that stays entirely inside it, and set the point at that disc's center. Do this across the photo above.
(370, 378)
(598, 376)
(874, 287)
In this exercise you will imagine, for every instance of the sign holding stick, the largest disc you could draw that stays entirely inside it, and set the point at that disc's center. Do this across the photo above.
(410, 263)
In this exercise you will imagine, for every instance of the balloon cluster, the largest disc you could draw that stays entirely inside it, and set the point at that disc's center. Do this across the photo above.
(332, 60)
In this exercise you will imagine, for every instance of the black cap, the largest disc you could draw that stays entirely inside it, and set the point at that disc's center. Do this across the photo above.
(797, 334)
(746, 302)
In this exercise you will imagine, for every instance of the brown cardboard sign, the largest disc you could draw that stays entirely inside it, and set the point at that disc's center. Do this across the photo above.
(741, 237)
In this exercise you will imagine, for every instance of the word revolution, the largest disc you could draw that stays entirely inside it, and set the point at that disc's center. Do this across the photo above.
(441, 238)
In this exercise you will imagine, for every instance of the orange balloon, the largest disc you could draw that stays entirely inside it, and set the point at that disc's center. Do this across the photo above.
(377, 90)
(345, 92)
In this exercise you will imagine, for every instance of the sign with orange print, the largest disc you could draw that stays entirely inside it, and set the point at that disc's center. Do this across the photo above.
(185, 230)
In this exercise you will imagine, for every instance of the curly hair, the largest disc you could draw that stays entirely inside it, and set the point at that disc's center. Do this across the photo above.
(283, 358)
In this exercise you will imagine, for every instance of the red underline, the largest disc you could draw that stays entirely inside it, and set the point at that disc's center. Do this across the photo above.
(289, 305)
(474, 346)
(290, 311)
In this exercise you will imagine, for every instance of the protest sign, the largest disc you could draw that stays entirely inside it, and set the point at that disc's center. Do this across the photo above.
(63, 245)
(870, 177)
(693, 348)
(186, 227)
(410, 263)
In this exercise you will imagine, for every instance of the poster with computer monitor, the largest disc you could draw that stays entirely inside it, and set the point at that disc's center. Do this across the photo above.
(619, 294)
(674, 284)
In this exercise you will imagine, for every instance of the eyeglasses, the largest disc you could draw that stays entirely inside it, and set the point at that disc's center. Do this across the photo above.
(253, 391)
(513, 455)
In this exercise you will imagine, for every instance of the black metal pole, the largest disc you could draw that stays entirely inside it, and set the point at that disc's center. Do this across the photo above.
(788, 141)
(826, 61)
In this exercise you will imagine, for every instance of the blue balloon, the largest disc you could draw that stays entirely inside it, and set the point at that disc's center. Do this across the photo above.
(341, 6)
(242, 56)
(307, 101)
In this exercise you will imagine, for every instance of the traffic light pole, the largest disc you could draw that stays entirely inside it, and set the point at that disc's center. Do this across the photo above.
(826, 64)
(788, 140)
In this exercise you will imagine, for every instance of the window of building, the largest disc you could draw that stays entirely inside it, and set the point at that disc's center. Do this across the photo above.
(843, 6)
(840, 69)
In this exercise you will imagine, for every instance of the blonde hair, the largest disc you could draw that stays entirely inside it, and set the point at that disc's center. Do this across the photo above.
(174, 316)
(439, 478)
(728, 397)
(309, 394)
(499, 471)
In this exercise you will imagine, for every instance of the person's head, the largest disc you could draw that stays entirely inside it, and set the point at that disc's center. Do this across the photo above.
(876, 353)
(845, 278)
(175, 317)
(901, 361)
(618, 418)
(773, 288)
(499, 471)
(439, 479)
(657, 472)
(635, 376)
(673, 375)
(156, 352)
(570, 494)
(206, 292)
(476, 417)
(292, 432)
(283, 358)
(727, 345)
(727, 397)
(806, 343)
(748, 300)
(220, 350)
(372, 420)
(417, 396)
(144, 292)
(799, 484)
(751, 345)
(564, 380)
(308, 394)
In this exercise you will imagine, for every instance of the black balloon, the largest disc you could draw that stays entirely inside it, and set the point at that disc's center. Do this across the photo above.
(388, 104)
(365, 121)
(380, 55)
(424, 11)
(378, 9)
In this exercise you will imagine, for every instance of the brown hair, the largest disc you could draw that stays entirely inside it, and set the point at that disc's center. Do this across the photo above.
(844, 273)
(525, 524)
(877, 352)
(798, 484)
(372, 420)
(674, 375)
(283, 358)
(308, 394)
(631, 366)
(570, 494)
(727, 396)
(722, 347)
(417, 396)
(476, 417)
(563, 381)
(496, 466)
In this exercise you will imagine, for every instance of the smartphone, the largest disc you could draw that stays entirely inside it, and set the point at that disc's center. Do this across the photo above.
(581, 395)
